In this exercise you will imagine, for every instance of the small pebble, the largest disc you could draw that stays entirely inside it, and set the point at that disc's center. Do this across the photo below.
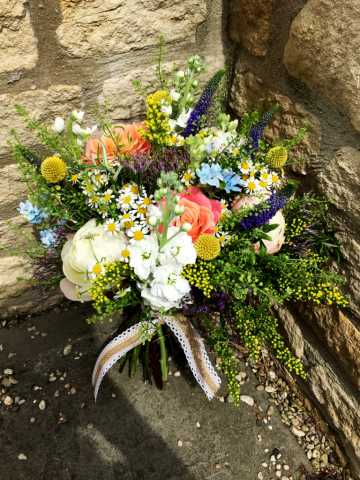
(67, 385)
(52, 379)
(217, 465)
(278, 473)
(113, 395)
(264, 464)
(180, 443)
(67, 349)
(8, 371)
(73, 390)
(198, 424)
(270, 410)
(42, 405)
(82, 405)
(44, 334)
(247, 399)
(177, 374)
(57, 393)
(22, 457)
(286, 467)
(260, 475)
(90, 426)
(17, 400)
(260, 387)
(32, 420)
(270, 389)
(8, 400)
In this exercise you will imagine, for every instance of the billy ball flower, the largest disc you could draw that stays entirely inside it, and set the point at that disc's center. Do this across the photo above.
(277, 157)
(53, 169)
(207, 246)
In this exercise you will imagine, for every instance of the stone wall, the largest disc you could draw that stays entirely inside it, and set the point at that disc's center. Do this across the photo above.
(58, 55)
(303, 54)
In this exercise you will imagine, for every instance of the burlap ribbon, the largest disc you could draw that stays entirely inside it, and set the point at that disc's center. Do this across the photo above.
(190, 341)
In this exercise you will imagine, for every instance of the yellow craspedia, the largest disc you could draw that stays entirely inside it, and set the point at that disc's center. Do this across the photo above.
(276, 157)
(53, 169)
(157, 96)
(207, 246)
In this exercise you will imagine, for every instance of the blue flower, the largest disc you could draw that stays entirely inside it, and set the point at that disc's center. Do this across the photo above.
(32, 212)
(231, 180)
(210, 174)
(48, 237)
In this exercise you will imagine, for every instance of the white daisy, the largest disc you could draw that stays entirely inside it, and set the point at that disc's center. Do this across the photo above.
(265, 181)
(188, 177)
(127, 219)
(75, 178)
(223, 237)
(94, 201)
(246, 166)
(88, 188)
(126, 200)
(137, 233)
(108, 195)
(124, 254)
(146, 201)
(252, 185)
(112, 227)
(104, 212)
(141, 212)
(260, 168)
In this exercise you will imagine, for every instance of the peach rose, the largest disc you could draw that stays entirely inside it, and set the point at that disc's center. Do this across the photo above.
(201, 212)
(277, 235)
(128, 136)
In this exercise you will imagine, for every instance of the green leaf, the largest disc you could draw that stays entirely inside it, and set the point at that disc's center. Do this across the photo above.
(261, 309)
(269, 227)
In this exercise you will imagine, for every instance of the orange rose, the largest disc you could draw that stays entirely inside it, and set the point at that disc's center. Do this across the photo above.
(127, 135)
(201, 212)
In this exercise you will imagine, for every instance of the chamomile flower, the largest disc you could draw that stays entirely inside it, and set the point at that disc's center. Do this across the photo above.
(137, 233)
(94, 201)
(134, 189)
(246, 166)
(141, 212)
(75, 178)
(108, 195)
(95, 270)
(260, 168)
(274, 179)
(127, 219)
(265, 181)
(104, 212)
(223, 237)
(122, 293)
(124, 254)
(145, 200)
(57, 197)
(252, 185)
(89, 188)
(188, 177)
(126, 200)
(112, 227)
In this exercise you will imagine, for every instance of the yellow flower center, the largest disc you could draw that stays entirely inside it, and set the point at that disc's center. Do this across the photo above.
(97, 177)
(97, 269)
(126, 186)
(127, 199)
(57, 197)
(245, 165)
(58, 187)
(265, 176)
(129, 224)
(223, 206)
(263, 184)
(216, 229)
(251, 186)
(187, 177)
(138, 236)
(135, 189)
(275, 178)
(125, 253)
(107, 196)
(252, 173)
(111, 227)
(244, 177)
(236, 152)
(174, 139)
(141, 209)
(222, 239)
(74, 177)
(147, 201)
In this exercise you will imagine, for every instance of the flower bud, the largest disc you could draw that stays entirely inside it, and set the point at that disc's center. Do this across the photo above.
(76, 128)
(159, 182)
(152, 221)
(174, 95)
(79, 142)
(197, 64)
(195, 83)
(59, 124)
(158, 196)
(163, 191)
(198, 70)
(179, 210)
(162, 259)
(180, 188)
(186, 227)
(176, 199)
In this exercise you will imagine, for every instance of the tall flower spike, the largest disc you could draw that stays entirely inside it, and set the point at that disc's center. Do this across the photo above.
(265, 211)
(257, 132)
(29, 156)
(195, 121)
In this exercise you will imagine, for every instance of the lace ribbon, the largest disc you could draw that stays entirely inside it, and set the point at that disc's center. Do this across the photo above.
(190, 341)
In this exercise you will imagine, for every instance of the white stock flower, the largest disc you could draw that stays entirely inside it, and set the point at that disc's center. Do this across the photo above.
(180, 251)
(78, 115)
(79, 142)
(174, 95)
(143, 256)
(76, 129)
(183, 118)
(166, 109)
(59, 125)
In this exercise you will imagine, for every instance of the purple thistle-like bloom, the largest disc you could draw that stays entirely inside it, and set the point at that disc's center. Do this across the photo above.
(257, 132)
(265, 211)
(195, 122)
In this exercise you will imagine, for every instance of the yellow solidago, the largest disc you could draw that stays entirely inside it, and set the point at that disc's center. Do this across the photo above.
(276, 157)
(157, 124)
(207, 246)
(53, 169)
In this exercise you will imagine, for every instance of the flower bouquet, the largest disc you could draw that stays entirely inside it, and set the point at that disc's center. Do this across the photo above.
(186, 214)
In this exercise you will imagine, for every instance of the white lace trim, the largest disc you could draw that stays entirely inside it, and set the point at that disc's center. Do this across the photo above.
(171, 322)
(112, 360)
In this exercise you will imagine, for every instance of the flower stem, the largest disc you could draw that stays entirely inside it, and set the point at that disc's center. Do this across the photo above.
(163, 354)
(134, 360)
